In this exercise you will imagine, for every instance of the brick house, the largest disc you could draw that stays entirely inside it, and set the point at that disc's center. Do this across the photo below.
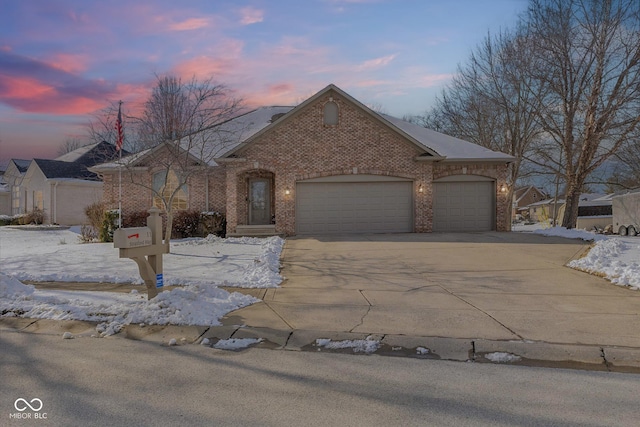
(525, 196)
(330, 165)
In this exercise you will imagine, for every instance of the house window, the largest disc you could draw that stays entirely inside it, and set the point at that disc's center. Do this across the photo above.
(331, 113)
(38, 201)
(165, 184)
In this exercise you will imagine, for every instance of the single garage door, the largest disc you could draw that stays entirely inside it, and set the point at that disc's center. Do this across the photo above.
(463, 206)
(354, 207)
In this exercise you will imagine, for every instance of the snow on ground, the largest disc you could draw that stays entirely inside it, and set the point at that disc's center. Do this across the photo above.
(367, 346)
(236, 343)
(58, 255)
(613, 257)
(199, 265)
(499, 357)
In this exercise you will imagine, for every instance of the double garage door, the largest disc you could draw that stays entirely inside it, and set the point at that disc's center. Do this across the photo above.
(387, 207)
(354, 207)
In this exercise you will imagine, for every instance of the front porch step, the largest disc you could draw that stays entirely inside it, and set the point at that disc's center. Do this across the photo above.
(255, 231)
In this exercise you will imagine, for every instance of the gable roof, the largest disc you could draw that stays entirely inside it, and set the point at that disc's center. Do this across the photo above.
(21, 165)
(434, 144)
(448, 147)
(228, 139)
(219, 139)
(520, 192)
(56, 169)
(92, 154)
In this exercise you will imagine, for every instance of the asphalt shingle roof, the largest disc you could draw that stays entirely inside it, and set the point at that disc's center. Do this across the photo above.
(53, 169)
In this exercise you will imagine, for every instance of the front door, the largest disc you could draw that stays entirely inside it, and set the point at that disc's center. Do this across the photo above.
(259, 201)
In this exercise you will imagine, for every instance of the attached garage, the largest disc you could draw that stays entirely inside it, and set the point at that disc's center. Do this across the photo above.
(464, 203)
(354, 204)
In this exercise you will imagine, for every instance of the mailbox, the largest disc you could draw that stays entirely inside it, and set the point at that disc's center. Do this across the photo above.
(135, 237)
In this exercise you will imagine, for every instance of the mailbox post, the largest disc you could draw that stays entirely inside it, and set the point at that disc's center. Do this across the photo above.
(144, 246)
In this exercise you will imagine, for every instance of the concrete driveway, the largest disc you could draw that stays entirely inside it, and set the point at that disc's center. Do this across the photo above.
(485, 286)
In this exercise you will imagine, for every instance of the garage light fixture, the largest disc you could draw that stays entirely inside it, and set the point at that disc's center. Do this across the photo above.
(420, 189)
(503, 188)
(287, 192)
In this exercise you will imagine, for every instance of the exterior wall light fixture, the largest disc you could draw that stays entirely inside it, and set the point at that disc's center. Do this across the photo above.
(503, 188)
(287, 192)
(420, 189)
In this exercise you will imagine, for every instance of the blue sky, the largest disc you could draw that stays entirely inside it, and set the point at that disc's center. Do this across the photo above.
(62, 60)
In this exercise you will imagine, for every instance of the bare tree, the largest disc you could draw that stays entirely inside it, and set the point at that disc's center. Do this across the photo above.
(588, 62)
(491, 100)
(186, 126)
(102, 127)
(69, 145)
(626, 173)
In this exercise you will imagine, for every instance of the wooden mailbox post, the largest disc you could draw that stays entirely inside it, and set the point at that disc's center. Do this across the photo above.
(144, 246)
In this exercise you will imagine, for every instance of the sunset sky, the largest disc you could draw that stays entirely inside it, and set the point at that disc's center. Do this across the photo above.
(61, 60)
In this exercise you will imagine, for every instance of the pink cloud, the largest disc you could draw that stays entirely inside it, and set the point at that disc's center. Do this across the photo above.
(250, 15)
(33, 96)
(189, 24)
(376, 63)
(68, 62)
(222, 61)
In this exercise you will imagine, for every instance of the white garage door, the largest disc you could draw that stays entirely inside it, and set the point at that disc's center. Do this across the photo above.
(463, 206)
(354, 207)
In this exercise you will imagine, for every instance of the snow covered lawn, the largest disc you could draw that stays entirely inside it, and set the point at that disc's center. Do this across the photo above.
(613, 257)
(198, 266)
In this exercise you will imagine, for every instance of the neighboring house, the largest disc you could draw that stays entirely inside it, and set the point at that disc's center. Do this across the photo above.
(5, 196)
(544, 210)
(329, 165)
(594, 210)
(63, 187)
(525, 196)
(13, 178)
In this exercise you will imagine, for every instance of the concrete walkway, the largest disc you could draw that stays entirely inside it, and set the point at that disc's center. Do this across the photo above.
(466, 293)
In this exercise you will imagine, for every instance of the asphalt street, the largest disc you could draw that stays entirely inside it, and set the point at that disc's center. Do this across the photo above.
(117, 381)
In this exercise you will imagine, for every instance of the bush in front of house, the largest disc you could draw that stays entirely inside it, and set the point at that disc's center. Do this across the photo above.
(95, 215)
(213, 223)
(135, 219)
(109, 224)
(185, 224)
(35, 217)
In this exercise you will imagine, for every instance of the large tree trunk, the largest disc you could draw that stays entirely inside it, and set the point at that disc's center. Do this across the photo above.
(572, 200)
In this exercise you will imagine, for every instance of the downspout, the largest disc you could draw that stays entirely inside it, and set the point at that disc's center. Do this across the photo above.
(54, 213)
(206, 192)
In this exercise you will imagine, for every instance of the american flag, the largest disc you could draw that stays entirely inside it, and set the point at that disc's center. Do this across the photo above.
(120, 140)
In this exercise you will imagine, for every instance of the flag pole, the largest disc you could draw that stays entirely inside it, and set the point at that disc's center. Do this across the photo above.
(119, 143)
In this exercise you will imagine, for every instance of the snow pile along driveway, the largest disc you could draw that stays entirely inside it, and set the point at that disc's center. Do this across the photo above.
(614, 257)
